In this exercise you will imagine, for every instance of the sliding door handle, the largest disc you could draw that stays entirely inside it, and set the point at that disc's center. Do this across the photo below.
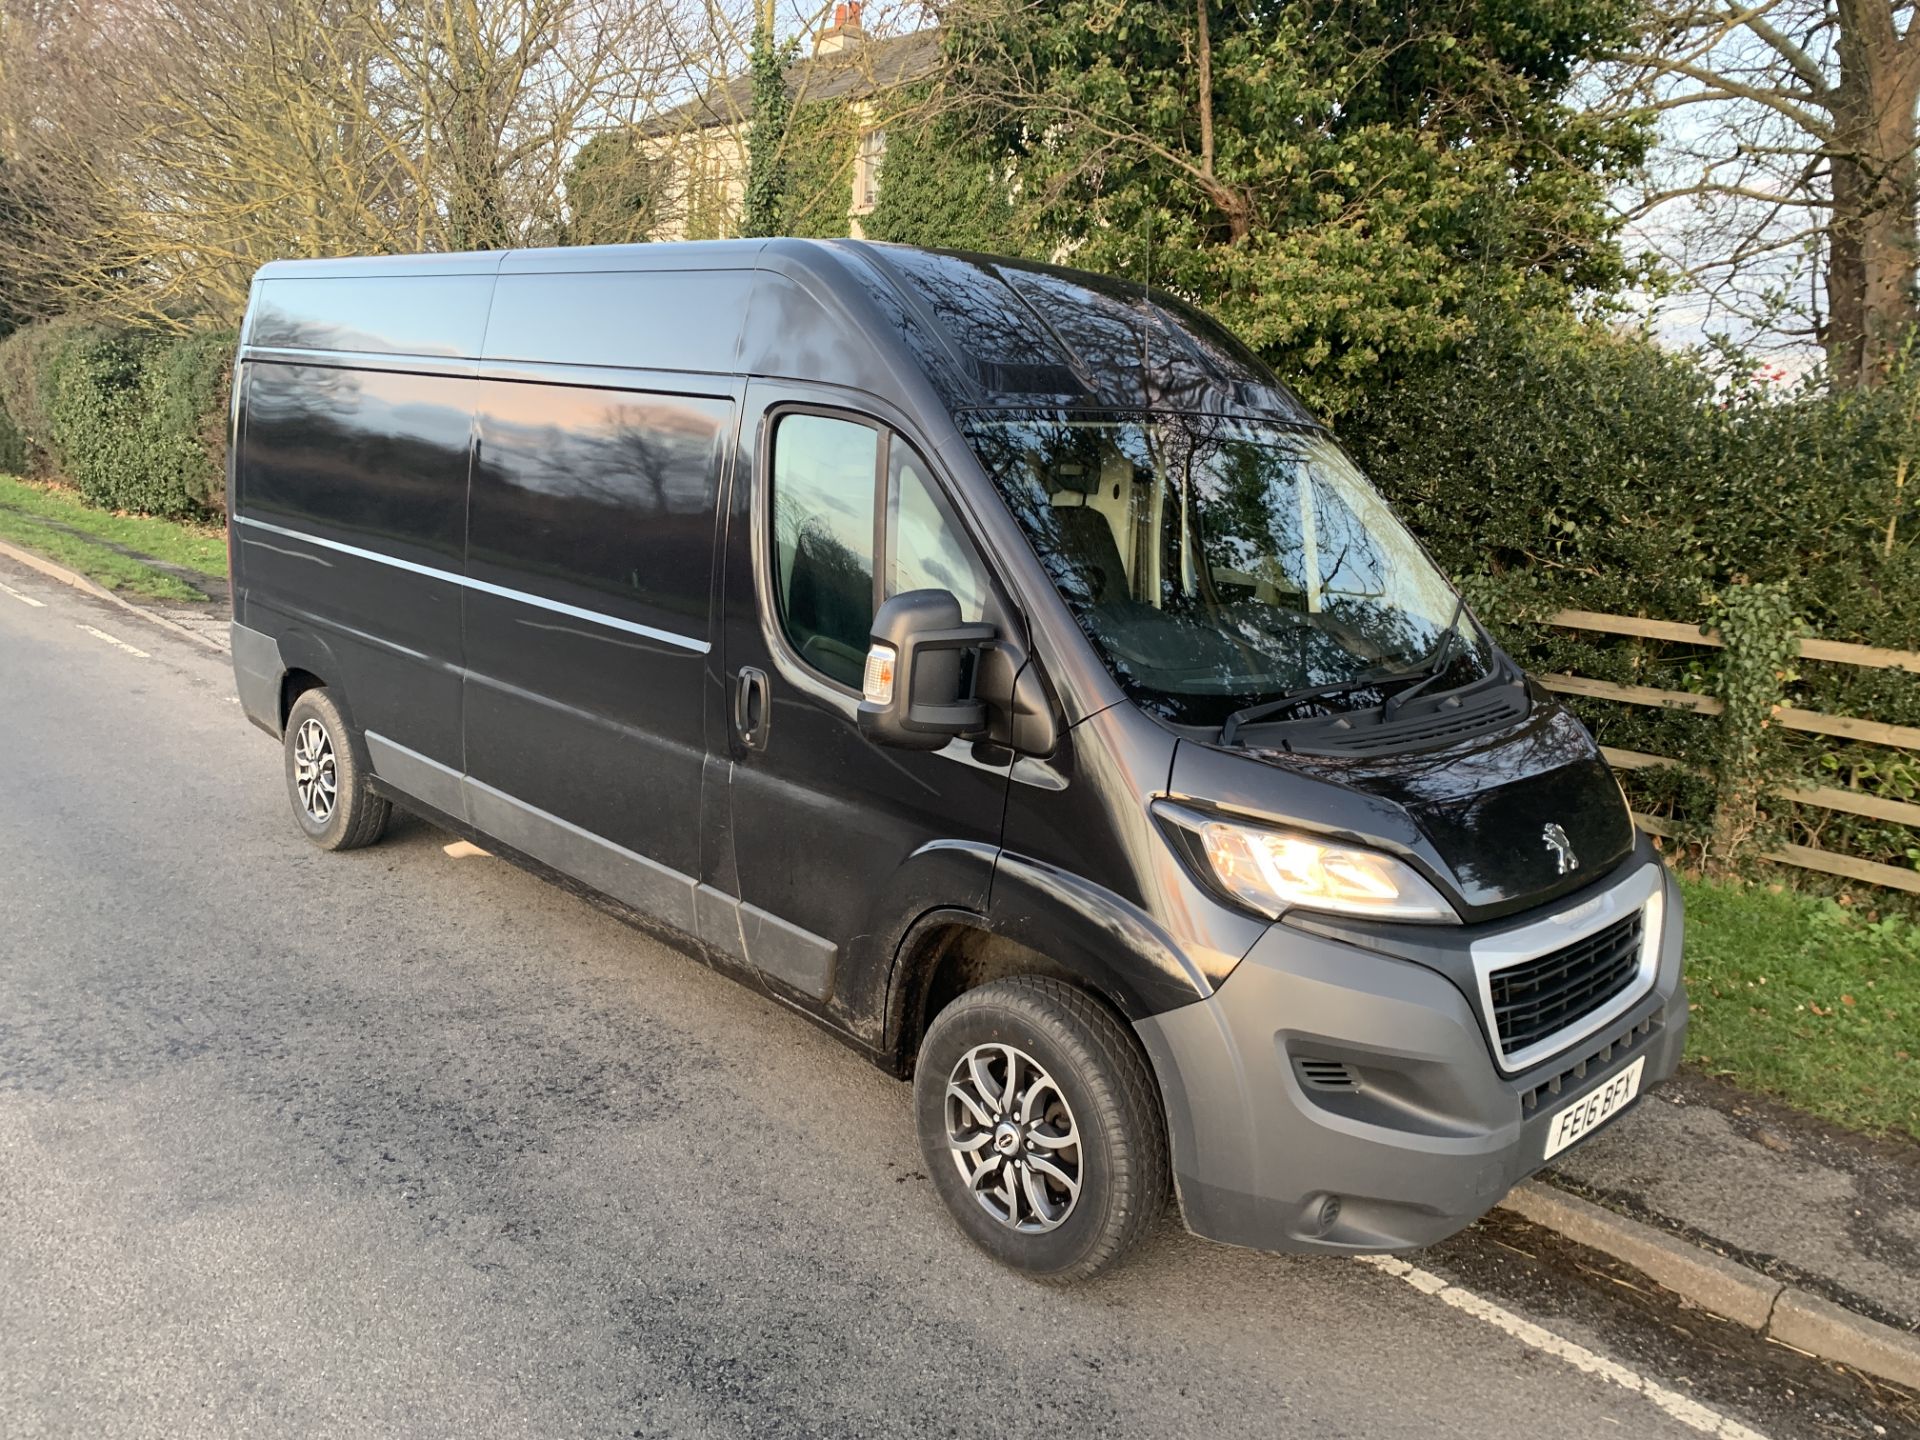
(752, 707)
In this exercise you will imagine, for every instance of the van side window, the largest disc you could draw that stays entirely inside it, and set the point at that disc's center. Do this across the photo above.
(926, 550)
(825, 478)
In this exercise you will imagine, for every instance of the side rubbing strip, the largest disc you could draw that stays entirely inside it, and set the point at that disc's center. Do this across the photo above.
(647, 885)
(665, 637)
(421, 777)
(797, 957)
(786, 952)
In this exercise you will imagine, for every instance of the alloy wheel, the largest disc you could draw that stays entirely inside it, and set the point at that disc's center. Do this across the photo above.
(315, 774)
(1013, 1137)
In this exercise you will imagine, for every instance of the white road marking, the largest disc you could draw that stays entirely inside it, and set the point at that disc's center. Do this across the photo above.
(24, 599)
(117, 643)
(1688, 1412)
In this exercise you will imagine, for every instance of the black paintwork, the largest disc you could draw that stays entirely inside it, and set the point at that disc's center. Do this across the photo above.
(603, 500)
(1470, 816)
(587, 427)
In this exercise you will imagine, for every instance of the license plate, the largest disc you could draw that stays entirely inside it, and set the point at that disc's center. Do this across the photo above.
(1589, 1112)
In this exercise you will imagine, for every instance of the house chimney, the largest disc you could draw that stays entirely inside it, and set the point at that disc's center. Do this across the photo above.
(845, 31)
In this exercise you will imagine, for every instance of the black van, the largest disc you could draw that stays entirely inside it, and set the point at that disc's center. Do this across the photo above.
(992, 662)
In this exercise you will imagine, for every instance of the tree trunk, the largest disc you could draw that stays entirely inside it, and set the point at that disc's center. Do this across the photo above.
(1873, 262)
(1205, 48)
(476, 208)
(1232, 203)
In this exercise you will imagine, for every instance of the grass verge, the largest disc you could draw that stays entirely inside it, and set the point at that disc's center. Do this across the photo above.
(1810, 1001)
(46, 518)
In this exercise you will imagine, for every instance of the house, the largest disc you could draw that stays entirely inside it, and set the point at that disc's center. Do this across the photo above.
(702, 144)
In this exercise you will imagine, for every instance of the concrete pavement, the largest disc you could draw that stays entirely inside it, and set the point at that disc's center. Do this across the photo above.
(391, 1142)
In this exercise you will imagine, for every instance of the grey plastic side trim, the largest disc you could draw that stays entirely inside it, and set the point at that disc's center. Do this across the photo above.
(419, 775)
(257, 671)
(718, 916)
(666, 637)
(787, 953)
(647, 885)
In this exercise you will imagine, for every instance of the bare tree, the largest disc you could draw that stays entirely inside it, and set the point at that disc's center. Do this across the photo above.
(1788, 156)
(174, 145)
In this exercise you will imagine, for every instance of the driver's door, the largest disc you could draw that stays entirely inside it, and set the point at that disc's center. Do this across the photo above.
(831, 511)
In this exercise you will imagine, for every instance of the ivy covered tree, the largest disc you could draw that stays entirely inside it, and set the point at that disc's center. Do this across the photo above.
(767, 131)
(1346, 182)
(941, 186)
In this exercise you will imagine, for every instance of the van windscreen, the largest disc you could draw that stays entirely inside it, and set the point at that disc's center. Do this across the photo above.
(1219, 563)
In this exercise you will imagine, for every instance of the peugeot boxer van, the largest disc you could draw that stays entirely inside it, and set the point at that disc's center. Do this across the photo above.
(994, 663)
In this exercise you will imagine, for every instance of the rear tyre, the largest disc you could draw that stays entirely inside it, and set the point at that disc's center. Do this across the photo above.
(327, 775)
(1041, 1127)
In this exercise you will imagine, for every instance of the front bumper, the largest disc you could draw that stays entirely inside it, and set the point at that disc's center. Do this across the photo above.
(1430, 1134)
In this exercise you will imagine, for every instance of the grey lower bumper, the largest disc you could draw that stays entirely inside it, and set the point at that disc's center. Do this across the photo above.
(257, 672)
(1428, 1140)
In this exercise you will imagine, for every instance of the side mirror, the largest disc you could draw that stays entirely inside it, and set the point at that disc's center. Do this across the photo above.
(911, 692)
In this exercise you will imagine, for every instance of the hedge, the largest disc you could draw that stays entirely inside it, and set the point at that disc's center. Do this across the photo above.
(136, 421)
(13, 447)
(24, 359)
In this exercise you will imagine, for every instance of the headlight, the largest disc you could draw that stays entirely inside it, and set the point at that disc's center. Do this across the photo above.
(1273, 871)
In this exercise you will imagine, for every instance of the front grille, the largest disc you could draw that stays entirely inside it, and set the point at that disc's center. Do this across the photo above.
(1537, 999)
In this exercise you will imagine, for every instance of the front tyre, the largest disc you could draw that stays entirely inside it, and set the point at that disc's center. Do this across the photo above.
(327, 776)
(1041, 1127)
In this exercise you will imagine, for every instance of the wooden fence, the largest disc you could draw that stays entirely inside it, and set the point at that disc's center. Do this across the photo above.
(1872, 732)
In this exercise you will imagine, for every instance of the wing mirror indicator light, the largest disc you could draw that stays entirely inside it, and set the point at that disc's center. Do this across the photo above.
(876, 686)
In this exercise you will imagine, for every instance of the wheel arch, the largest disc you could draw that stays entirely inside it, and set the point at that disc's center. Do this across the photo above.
(309, 664)
(945, 954)
(1039, 921)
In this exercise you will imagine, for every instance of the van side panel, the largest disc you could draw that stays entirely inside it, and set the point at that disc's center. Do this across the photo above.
(349, 531)
(589, 573)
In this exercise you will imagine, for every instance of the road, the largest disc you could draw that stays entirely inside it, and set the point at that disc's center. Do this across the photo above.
(400, 1143)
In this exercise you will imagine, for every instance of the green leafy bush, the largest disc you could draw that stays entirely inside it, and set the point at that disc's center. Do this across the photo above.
(137, 420)
(13, 447)
(817, 170)
(189, 382)
(943, 187)
(24, 359)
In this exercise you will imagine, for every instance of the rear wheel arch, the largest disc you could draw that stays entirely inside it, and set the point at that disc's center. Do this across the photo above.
(294, 683)
(309, 663)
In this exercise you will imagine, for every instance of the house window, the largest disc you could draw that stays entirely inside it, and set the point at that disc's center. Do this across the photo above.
(866, 170)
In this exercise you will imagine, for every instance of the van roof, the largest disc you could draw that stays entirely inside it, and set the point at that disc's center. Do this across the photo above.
(983, 330)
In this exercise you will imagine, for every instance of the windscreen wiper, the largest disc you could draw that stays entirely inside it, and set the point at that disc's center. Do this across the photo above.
(1434, 663)
(1430, 667)
(1231, 726)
